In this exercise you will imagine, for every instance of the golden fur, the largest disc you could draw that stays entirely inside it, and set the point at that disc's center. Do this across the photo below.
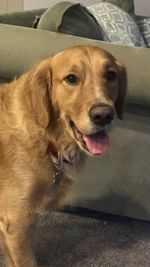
(35, 110)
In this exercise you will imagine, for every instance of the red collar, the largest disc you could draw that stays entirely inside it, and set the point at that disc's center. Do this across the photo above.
(53, 149)
(57, 176)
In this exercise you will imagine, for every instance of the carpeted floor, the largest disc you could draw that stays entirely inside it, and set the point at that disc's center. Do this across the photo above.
(71, 240)
(75, 240)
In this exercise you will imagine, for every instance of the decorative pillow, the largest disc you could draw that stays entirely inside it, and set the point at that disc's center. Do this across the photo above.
(70, 18)
(126, 5)
(117, 26)
(52, 17)
(144, 26)
(79, 21)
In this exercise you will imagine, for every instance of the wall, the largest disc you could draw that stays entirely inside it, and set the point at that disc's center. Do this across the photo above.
(34, 4)
(142, 7)
(18, 5)
(10, 5)
(3, 6)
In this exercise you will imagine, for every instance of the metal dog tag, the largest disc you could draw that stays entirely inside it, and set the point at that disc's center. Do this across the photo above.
(57, 178)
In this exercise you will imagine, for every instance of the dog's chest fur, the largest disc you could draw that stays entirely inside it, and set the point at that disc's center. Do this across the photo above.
(29, 175)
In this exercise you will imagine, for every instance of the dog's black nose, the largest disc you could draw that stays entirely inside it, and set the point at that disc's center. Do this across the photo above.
(101, 114)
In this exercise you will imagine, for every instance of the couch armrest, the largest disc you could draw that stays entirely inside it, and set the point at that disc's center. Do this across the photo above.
(22, 47)
(24, 18)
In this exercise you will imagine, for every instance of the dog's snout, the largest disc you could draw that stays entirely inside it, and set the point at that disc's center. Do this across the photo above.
(101, 114)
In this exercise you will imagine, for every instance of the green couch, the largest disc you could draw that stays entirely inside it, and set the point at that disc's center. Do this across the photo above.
(118, 182)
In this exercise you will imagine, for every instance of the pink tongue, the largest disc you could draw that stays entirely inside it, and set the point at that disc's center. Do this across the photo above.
(97, 143)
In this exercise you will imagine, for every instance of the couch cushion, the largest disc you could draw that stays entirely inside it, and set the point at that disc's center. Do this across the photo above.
(52, 17)
(22, 18)
(69, 18)
(77, 20)
(126, 5)
(144, 26)
(117, 26)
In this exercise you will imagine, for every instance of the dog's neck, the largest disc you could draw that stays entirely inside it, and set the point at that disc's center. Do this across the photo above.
(61, 156)
(52, 148)
(61, 145)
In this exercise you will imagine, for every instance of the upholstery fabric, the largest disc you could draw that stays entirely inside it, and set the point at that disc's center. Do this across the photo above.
(117, 26)
(73, 19)
(126, 5)
(52, 17)
(22, 18)
(79, 21)
(144, 26)
(142, 22)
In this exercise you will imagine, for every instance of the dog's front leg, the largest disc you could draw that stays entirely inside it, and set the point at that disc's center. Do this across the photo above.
(16, 228)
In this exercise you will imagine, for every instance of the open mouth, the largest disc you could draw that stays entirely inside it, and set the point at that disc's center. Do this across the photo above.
(96, 143)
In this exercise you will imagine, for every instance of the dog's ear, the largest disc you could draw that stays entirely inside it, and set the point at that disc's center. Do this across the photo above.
(122, 89)
(39, 84)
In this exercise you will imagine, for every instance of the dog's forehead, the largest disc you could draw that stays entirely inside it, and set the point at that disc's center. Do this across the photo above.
(87, 54)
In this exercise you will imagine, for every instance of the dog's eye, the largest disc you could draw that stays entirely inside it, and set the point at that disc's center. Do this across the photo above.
(72, 79)
(111, 75)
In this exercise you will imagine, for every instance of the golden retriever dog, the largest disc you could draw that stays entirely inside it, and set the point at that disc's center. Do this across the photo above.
(48, 115)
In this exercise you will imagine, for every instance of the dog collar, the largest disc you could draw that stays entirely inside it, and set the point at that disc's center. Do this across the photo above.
(52, 149)
(57, 176)
(58, 163)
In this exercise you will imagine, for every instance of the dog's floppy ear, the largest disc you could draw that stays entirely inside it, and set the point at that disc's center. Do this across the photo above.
(39, 83)
(122, 88)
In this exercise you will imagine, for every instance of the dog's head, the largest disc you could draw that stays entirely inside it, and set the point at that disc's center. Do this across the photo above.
(86, 88)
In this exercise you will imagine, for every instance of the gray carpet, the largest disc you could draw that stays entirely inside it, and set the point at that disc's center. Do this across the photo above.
(71, 240)
(75, 240)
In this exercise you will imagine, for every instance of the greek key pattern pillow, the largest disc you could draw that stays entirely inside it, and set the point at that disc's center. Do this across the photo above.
(144, 26)
(117, 25)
